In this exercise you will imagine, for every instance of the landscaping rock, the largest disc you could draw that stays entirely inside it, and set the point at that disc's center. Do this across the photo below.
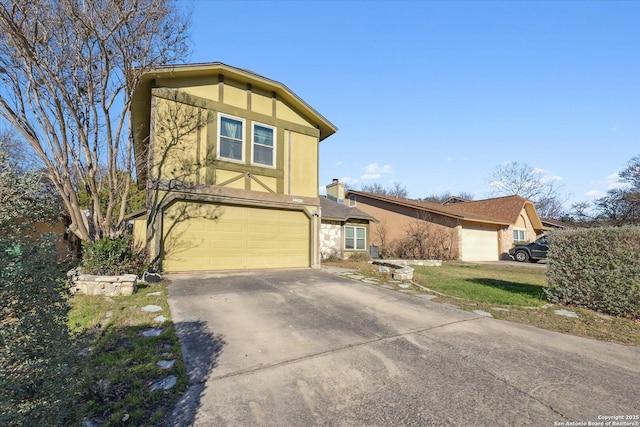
(405, 273)
(164, 384)
(384, 269)
(151, 308)
(152, 332)
(160, 319)
(482, 313)
(427, 297)
(566, 313)
(404, 285)
(154, 294)
(166, 364)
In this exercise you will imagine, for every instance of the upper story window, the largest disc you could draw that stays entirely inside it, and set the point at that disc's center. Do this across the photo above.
(352, 200)
(231, 138)
(263, 145)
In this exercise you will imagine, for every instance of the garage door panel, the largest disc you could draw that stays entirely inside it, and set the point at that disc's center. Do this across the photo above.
(478, 244)
(239, 238)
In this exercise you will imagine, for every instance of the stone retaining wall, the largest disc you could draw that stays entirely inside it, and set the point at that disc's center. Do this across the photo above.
(87, 284)
(422, 262)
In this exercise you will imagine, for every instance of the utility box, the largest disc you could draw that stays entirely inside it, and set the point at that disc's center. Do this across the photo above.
(374, 251)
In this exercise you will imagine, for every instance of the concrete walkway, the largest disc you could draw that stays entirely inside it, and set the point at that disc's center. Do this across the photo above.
(305, 348)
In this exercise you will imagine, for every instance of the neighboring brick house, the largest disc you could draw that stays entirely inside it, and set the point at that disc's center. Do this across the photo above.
(344, 230)
(480, 230)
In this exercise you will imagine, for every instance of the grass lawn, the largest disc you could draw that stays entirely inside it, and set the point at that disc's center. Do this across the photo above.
(509, 292)
(119, 363)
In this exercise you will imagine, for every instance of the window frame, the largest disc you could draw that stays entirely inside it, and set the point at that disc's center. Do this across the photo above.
(520, 230)
(355, 238)
(254, 143)
(220, 136)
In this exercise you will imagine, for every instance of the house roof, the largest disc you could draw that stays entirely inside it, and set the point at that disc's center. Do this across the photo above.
(335, 211)
(430, 207)
(141, 100)
(142, 92)
(506, 208)
(500, 210)
(552, 223)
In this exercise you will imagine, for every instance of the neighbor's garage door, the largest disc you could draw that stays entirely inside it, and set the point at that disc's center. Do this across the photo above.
(238, 237)
(478, 244)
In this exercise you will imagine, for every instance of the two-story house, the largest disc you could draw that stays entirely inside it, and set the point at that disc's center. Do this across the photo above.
(230, 161)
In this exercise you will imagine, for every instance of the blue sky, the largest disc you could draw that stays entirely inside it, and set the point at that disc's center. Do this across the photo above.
(435, 95)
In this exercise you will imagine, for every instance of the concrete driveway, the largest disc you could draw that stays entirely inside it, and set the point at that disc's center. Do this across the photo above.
(307, 348)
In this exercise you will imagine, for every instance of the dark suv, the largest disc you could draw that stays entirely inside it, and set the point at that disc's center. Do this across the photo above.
(532, 252)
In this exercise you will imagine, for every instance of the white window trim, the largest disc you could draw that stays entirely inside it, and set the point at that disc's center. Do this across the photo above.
(524, 231)
(355, 238)
(352, 200)
(253, 143)
(244, 139)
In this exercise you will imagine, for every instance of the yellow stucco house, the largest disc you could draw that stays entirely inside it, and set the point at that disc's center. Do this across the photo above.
(230, 162)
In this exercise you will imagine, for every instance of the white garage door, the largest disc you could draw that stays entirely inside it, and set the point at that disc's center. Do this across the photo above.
(477, 244)
(238, 237)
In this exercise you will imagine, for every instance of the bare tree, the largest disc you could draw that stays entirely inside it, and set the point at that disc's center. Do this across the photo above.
(68, 70)
(382, 233)
(424, 239)
(620, 206)
(440, 198)
(395, 190)
(521, 179)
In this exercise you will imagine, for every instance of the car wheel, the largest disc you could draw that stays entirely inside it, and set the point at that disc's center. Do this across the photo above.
(521, 256)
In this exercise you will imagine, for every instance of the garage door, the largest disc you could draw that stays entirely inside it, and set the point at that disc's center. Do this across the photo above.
(478, 244)
(200, 237)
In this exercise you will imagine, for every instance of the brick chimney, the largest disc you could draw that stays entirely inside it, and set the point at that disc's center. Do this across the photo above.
(335, 191)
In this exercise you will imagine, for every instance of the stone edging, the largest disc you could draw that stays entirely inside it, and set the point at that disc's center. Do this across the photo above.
(88, 284)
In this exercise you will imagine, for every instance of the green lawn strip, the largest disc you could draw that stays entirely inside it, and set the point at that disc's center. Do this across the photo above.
(480, 284)
(87, 312)
(513, 293)
(121, 367)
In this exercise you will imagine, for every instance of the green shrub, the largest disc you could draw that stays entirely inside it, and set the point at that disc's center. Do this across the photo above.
(113, 256)
(38, 385)
(597, 268)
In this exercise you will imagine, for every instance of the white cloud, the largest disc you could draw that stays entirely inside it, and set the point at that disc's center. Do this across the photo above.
(370, 176)
(619, 185)
(375, 168)
(347, 180)
(595, 194)
(539, 171)
(547, 178)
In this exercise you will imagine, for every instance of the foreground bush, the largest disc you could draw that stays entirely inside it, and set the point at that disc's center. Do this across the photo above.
(37, 358)
(37, 386)
(113, 256)
(596, 268)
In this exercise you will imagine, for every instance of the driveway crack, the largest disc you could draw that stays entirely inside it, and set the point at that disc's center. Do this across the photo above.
(339, 349)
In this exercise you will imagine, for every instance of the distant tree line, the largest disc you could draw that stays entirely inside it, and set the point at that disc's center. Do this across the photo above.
(620, 206)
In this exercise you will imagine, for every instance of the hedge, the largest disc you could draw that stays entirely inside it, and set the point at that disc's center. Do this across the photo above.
(596, 268)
